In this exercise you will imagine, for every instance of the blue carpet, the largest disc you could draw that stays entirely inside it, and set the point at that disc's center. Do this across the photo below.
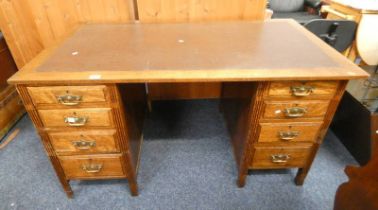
(186, 163)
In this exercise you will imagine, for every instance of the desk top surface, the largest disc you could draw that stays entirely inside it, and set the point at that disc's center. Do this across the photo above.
(228, 51)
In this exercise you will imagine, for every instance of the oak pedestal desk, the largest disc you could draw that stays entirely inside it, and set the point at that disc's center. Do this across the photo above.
(87, 97)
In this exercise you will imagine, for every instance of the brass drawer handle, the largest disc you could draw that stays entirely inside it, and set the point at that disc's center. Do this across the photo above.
(76, 121)
(302, 91)
(280, 158)
(84, 145)
(295, 112)
(92, 168)
(288, 135)
(69, 100)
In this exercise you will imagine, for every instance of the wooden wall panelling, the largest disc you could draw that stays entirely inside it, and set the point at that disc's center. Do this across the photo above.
(105, 11)
(20, 31)
(54, 19)
(30, 26)
(200, 10)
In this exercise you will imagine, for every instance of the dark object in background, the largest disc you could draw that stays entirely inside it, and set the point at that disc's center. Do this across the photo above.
(295, 9)
(355, 126)
(11, 108)
(361, 191)
(7, 65)
(337, 33)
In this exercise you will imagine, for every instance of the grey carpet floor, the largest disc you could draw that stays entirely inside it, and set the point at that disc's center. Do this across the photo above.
(186, 163)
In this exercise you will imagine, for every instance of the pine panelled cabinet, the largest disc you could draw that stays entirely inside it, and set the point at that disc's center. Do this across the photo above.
(280, 88)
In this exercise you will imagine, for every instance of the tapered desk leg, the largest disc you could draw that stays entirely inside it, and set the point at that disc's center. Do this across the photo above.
(129, 114)
(69, 192)
(133, 188)
(62, 178)
(241, 180)
(241, 107)
(301, 175)
(302, 172)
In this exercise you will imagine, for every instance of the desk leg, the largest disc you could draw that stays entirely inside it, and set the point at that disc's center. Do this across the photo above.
(241, 107)
(62, 178)
(129, 113)
(302, 172)
(242, 179)
(133, 188)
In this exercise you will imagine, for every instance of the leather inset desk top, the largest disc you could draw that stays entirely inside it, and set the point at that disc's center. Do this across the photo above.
(220, 46)
(189, 52)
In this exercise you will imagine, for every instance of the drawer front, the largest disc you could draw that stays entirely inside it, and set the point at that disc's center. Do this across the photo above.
(67, 95)
(303, 90)
(295, 109)
(95, 166)
(280, 157)
(84, 142)
(80, 118)
(289, 132)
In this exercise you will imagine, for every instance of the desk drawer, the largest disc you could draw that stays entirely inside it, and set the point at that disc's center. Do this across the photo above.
(81, 118)
(92, 166)
(303, 90)
(295, 109)
(266, 157)
(84, 142)
(289, 132)
(67, 95)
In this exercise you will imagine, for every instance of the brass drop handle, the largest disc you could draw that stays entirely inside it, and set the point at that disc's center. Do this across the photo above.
(302, 91)
(288, 135)
(280, 158)
(295, 112)
(92, 168)
(84, 145)
(76, 121)
(69, 100)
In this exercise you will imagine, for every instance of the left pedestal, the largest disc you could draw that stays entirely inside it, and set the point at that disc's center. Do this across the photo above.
(89, 131)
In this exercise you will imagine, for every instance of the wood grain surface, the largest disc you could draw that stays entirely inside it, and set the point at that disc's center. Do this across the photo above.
(104, 141)
(205, 10)
(275, 109)
(49, 95)
(96, 117)
(234, 51)
(307, 132)
(111, 166)
(297, 156)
